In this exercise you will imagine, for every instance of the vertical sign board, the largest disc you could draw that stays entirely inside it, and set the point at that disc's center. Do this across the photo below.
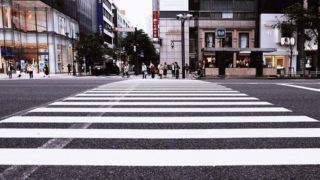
(155, 18)
(100, 16)
(155, 24)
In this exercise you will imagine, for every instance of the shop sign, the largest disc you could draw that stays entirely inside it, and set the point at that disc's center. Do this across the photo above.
(221, 33)
(155, 22)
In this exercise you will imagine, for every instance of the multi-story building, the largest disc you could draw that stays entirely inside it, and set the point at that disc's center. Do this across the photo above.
(33, 32)
(105, 21)
(119, 21)
(229, 37)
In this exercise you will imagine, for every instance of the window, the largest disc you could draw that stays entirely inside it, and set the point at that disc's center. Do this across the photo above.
(244, 40)
(62, 25)
(210, 40)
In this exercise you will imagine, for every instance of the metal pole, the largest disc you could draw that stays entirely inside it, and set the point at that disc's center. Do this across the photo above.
(183, 49)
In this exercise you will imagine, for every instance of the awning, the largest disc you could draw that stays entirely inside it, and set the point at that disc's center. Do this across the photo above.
(247, 50)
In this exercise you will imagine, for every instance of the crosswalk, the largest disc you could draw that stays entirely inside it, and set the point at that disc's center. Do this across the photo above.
(158, 111)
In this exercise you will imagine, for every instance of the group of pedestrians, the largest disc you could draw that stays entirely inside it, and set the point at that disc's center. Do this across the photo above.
(161, 70)
(29, 69)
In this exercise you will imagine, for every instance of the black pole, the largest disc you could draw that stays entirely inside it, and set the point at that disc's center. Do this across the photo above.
(183, 49)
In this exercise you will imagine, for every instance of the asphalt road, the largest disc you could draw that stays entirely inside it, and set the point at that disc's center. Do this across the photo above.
(22, 96)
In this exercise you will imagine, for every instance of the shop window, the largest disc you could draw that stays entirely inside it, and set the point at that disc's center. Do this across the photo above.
(227, 42)
(210, 40)
(244, 40)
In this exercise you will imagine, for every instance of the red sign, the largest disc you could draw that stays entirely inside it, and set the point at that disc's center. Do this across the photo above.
(155, 23)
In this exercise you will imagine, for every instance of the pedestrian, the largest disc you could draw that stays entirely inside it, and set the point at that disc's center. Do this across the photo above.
(30, 71)
(177, 68)
(69, 69)
(161, 69)
(152, 70)
(173, 70)
(46, 71)
(165, 70)
(10, 69)
(187, 69)
(144, 71)
(126, 70)
(18, 70)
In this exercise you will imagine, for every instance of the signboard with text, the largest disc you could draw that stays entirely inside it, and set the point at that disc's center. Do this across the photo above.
(155, 24)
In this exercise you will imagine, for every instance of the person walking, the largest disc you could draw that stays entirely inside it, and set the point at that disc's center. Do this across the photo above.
(187, 68)
(46, 71)
(152, 70)
(144, 71)
(69, 69)
(161, 69)
(165, 70)
(173, 70)
(10, 69)
(18, 70)
(126, 70)
(177, 68)
(30, 71)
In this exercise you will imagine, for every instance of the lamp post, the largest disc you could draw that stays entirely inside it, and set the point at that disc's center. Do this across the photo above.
(183, 18)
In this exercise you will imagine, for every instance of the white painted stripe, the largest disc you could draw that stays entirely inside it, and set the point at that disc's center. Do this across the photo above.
(160, 133)
(157, 95)
(101, 157)
(160, 103)
(162, 110)
(301, 87)
(164, 91)
(205, 119)
(162, 98)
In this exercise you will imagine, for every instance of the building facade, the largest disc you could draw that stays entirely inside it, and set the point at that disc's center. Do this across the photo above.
(105, 21)
(34, 33)
(119, 21)
(228, 38)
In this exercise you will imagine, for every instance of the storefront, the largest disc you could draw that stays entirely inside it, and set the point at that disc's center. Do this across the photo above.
(36, 34)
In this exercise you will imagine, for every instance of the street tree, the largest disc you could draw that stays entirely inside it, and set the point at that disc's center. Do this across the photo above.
(139, 47)
(288, 30)
(90, 49)
(309, 19)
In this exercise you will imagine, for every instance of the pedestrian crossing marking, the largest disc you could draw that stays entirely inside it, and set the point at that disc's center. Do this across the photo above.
(157, 95)
(182, 158)
(151, 119)
(164, 110)
(161, 133)
(160, 103)
(161, 98)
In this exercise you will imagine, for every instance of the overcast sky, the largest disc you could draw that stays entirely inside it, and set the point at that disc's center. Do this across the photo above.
(138, 12)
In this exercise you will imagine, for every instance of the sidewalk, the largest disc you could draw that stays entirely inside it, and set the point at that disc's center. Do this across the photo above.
(25, 76)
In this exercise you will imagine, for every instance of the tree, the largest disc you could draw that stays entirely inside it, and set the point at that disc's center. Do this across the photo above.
(139, 43)
(91, 49)
(288, 30)
(309, 19)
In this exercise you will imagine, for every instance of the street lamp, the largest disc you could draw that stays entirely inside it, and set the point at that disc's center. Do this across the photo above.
(183, 18)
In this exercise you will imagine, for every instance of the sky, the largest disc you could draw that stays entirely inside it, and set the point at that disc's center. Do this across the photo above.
(138, 12)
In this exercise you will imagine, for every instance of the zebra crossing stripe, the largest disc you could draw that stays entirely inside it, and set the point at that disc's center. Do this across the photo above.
(161, 133)
(157, 95)
(184, 120)
(161, 98)
(164, 91)
(101, 157)
(162, 110)
(160, 103)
